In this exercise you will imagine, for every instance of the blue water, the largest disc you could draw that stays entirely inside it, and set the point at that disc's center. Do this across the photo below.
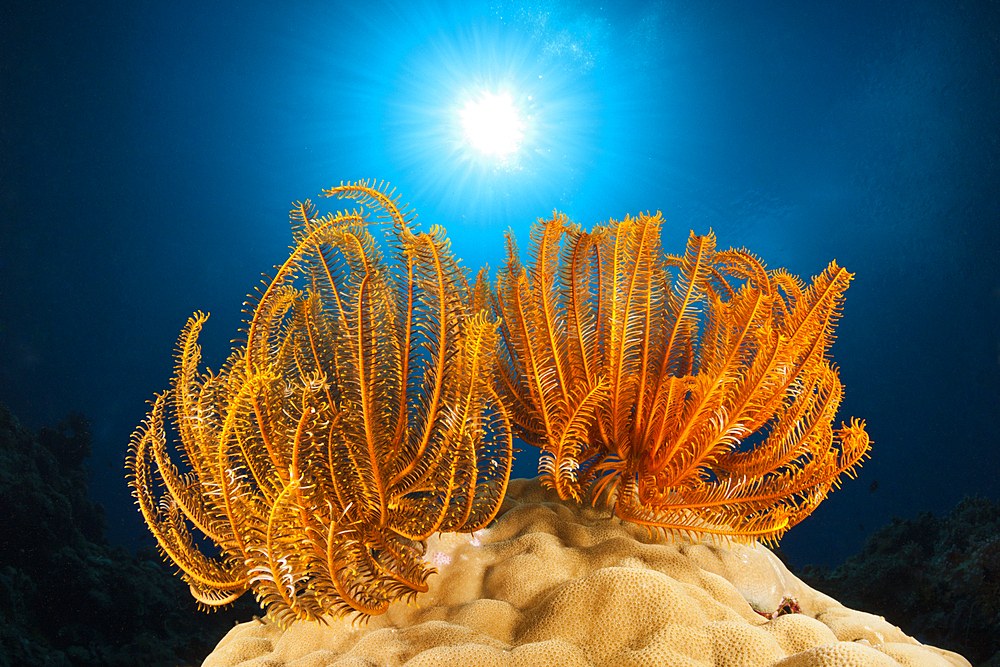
(151, 150)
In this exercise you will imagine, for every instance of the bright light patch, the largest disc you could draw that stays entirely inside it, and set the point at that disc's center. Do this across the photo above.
(492, 125)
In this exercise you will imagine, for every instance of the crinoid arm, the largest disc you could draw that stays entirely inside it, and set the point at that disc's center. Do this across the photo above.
(213, 581)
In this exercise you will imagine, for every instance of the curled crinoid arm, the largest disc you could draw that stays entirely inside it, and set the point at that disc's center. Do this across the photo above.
(692, 393)
(214, 581)
(360, 417)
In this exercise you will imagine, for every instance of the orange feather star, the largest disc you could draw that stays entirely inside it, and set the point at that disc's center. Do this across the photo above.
(359, 418)
(692, 393)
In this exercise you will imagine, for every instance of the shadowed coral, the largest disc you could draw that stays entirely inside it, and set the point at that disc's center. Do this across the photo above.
(693, 392)
(358, 419)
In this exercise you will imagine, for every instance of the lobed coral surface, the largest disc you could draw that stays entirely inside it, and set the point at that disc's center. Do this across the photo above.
(556, 583)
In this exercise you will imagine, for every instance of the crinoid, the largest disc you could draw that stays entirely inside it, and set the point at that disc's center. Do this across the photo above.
(692, 392)
(359, 418)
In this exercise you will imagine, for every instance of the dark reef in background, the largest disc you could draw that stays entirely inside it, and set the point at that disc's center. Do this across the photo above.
(936, 578)
(67, 597)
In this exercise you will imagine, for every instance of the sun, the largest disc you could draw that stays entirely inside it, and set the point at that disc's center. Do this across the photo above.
(492, 124)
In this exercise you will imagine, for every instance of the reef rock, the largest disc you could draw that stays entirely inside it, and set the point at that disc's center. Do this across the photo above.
(554, 583)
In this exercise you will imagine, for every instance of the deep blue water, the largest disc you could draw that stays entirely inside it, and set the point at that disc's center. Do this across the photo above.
(151, 150)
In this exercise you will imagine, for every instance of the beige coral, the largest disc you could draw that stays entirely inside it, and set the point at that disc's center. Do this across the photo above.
(553, 583)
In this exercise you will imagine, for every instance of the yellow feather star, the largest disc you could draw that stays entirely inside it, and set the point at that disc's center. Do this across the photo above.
(359, 418)
(691, 393)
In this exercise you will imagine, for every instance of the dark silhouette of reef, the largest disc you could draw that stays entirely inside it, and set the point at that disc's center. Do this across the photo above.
(68, 597)
(937, 577)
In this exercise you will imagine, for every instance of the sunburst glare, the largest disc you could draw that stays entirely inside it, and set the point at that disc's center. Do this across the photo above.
(492, 124)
